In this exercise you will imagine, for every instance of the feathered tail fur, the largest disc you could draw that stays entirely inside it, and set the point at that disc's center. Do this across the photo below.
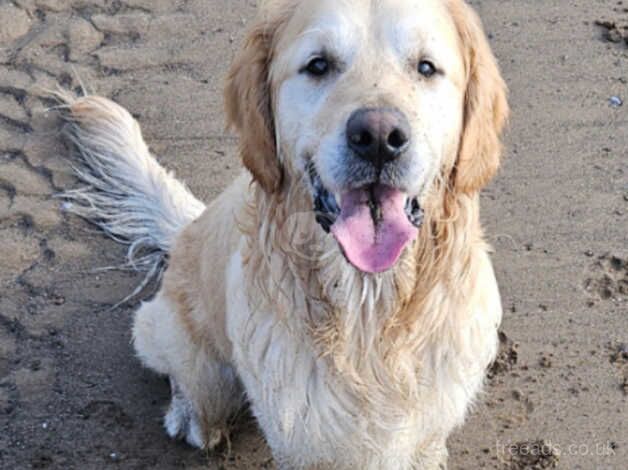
(126, 192)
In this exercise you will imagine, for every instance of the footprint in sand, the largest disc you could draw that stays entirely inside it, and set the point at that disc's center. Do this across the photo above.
(608, 278)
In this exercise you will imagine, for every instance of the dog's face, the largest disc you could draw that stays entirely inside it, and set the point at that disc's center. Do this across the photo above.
(369, 103)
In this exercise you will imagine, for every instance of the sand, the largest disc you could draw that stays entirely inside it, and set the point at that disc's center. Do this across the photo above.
(72, 395)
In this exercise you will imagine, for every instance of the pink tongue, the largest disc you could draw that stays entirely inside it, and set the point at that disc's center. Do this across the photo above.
(369, 247)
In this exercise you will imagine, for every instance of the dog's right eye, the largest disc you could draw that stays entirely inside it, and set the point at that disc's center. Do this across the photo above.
(317, 67)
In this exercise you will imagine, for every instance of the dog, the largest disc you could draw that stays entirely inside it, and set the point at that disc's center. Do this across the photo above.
(341, 286)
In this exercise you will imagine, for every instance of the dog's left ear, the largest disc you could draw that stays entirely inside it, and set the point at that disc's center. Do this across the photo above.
(248, 106)
(485, 108)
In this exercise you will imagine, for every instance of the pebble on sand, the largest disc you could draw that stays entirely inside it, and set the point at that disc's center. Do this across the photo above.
(615, 101)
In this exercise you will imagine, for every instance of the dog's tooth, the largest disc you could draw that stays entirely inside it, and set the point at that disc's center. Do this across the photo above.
(417, 217)
(337, 199)
(332, 204)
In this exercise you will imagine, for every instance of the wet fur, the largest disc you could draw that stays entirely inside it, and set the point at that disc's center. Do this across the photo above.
(341, 369)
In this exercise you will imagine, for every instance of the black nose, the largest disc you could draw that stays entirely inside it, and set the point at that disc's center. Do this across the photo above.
(378, 135)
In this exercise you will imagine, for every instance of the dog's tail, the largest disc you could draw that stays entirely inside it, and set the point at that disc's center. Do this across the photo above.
(125, 191)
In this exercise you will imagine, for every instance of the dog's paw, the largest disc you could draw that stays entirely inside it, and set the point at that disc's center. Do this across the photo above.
(183, 422)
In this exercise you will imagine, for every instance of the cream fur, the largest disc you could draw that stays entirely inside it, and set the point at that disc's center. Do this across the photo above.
(342, 369)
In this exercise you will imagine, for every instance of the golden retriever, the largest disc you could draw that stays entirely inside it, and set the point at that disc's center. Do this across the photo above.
(341, 286)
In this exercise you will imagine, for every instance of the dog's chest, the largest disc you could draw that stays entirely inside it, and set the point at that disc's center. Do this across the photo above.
(310, 413)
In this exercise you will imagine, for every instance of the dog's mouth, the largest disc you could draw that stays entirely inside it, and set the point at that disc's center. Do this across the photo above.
(372, 224)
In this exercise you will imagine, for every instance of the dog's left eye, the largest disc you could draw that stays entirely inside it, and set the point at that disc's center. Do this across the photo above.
(426, 68)
(318, 67)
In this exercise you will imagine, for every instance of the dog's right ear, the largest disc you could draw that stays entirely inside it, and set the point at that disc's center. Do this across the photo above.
(248, 106)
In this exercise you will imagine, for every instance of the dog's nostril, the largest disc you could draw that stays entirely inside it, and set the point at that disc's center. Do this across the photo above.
(397, 139)
(363, 138)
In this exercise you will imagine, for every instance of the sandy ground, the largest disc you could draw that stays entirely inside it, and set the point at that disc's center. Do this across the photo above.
(72, 396)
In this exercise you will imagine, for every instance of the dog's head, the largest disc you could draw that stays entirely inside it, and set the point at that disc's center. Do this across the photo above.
(368, 103)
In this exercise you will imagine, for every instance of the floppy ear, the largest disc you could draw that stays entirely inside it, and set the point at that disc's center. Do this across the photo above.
(485, 107)
(249, 107)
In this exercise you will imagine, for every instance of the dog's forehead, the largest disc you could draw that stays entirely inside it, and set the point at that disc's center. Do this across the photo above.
(344, 26)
